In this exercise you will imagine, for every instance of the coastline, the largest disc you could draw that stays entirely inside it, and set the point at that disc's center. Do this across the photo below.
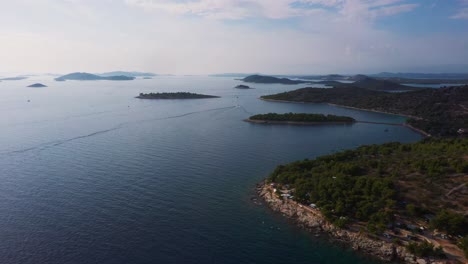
(313, 221)
(421, 132)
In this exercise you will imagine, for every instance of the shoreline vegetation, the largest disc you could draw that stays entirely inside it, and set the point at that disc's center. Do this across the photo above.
(299, 119)
(177, 95)
(432, 112)
(397, 202)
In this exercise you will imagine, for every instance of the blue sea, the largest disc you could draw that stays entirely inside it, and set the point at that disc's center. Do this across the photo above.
(90, 174)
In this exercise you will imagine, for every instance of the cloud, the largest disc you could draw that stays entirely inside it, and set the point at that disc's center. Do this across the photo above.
(461, 14)
(278, 9)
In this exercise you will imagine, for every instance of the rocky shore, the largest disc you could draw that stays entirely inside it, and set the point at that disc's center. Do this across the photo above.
(312, 220)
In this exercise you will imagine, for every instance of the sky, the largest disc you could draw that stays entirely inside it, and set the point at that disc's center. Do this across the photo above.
(234, 36)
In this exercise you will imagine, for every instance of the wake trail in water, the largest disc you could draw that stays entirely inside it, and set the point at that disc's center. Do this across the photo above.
(56, 143)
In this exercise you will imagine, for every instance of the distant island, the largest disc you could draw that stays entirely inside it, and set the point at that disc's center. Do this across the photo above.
(376, 84)
(299, 119)
(241, 86)
(270, 80)
(19, 78)
(398, 202)
(178, 95)
(83, 76)
(37, 85)
(400, 78)
(361, 81)
(127, 73)
(438, 112)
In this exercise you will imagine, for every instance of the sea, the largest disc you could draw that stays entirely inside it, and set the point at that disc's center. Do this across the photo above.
(91, 174)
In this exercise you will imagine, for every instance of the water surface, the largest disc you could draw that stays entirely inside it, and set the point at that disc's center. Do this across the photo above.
(92, 175)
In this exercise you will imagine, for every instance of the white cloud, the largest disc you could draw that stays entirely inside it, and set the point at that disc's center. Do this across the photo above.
(277, 9)
(461, 14)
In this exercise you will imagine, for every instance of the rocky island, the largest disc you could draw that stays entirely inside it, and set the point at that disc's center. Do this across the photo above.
(299, 119)
(83, 76)
(398, 202)
(178, 95)
(438, 112)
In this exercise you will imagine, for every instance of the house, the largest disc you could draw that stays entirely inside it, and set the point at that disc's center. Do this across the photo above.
(313, 206)
(462, 131)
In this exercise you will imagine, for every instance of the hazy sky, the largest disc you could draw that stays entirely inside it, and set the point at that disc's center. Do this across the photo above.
(215, 36)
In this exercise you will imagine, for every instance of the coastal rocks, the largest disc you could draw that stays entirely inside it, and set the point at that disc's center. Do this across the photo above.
(312, 220)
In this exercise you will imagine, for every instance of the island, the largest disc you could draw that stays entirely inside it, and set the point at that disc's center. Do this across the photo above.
(433, 112)
(398, 202)
(271, 80)
(178, 95)
(83, 76)
(299, 119)
(127, 73)
(37, 85)
(19, 78)
(241, 86)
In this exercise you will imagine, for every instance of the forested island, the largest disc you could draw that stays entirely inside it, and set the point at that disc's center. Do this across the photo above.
(395, 201)
(83, 76)
(178, 95)
(299, 119)
(439, 112)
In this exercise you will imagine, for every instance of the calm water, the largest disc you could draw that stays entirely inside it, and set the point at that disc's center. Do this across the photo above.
(91, 175)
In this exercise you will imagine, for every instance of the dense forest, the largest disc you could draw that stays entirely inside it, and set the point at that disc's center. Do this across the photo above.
(379, 184)
(178, 95)
(439, 112)
(302, 117)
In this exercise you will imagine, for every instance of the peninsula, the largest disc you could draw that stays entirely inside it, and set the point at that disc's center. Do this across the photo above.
(83, 76)
(178, 95)
(438, 112)
(399, 202)
(299, 119)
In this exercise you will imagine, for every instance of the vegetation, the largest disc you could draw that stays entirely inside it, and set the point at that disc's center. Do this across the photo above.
(375, 183)
(302, 117)
(439, 112)
(451, 223)
(463, 244)
(178, 95)
(425, 249)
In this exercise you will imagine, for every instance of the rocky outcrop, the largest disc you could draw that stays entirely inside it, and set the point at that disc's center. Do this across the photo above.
(314, 221)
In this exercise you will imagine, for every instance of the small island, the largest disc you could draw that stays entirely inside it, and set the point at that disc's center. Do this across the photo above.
(299, 119)
(178, 95)
(37, 85)
(241, 86)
